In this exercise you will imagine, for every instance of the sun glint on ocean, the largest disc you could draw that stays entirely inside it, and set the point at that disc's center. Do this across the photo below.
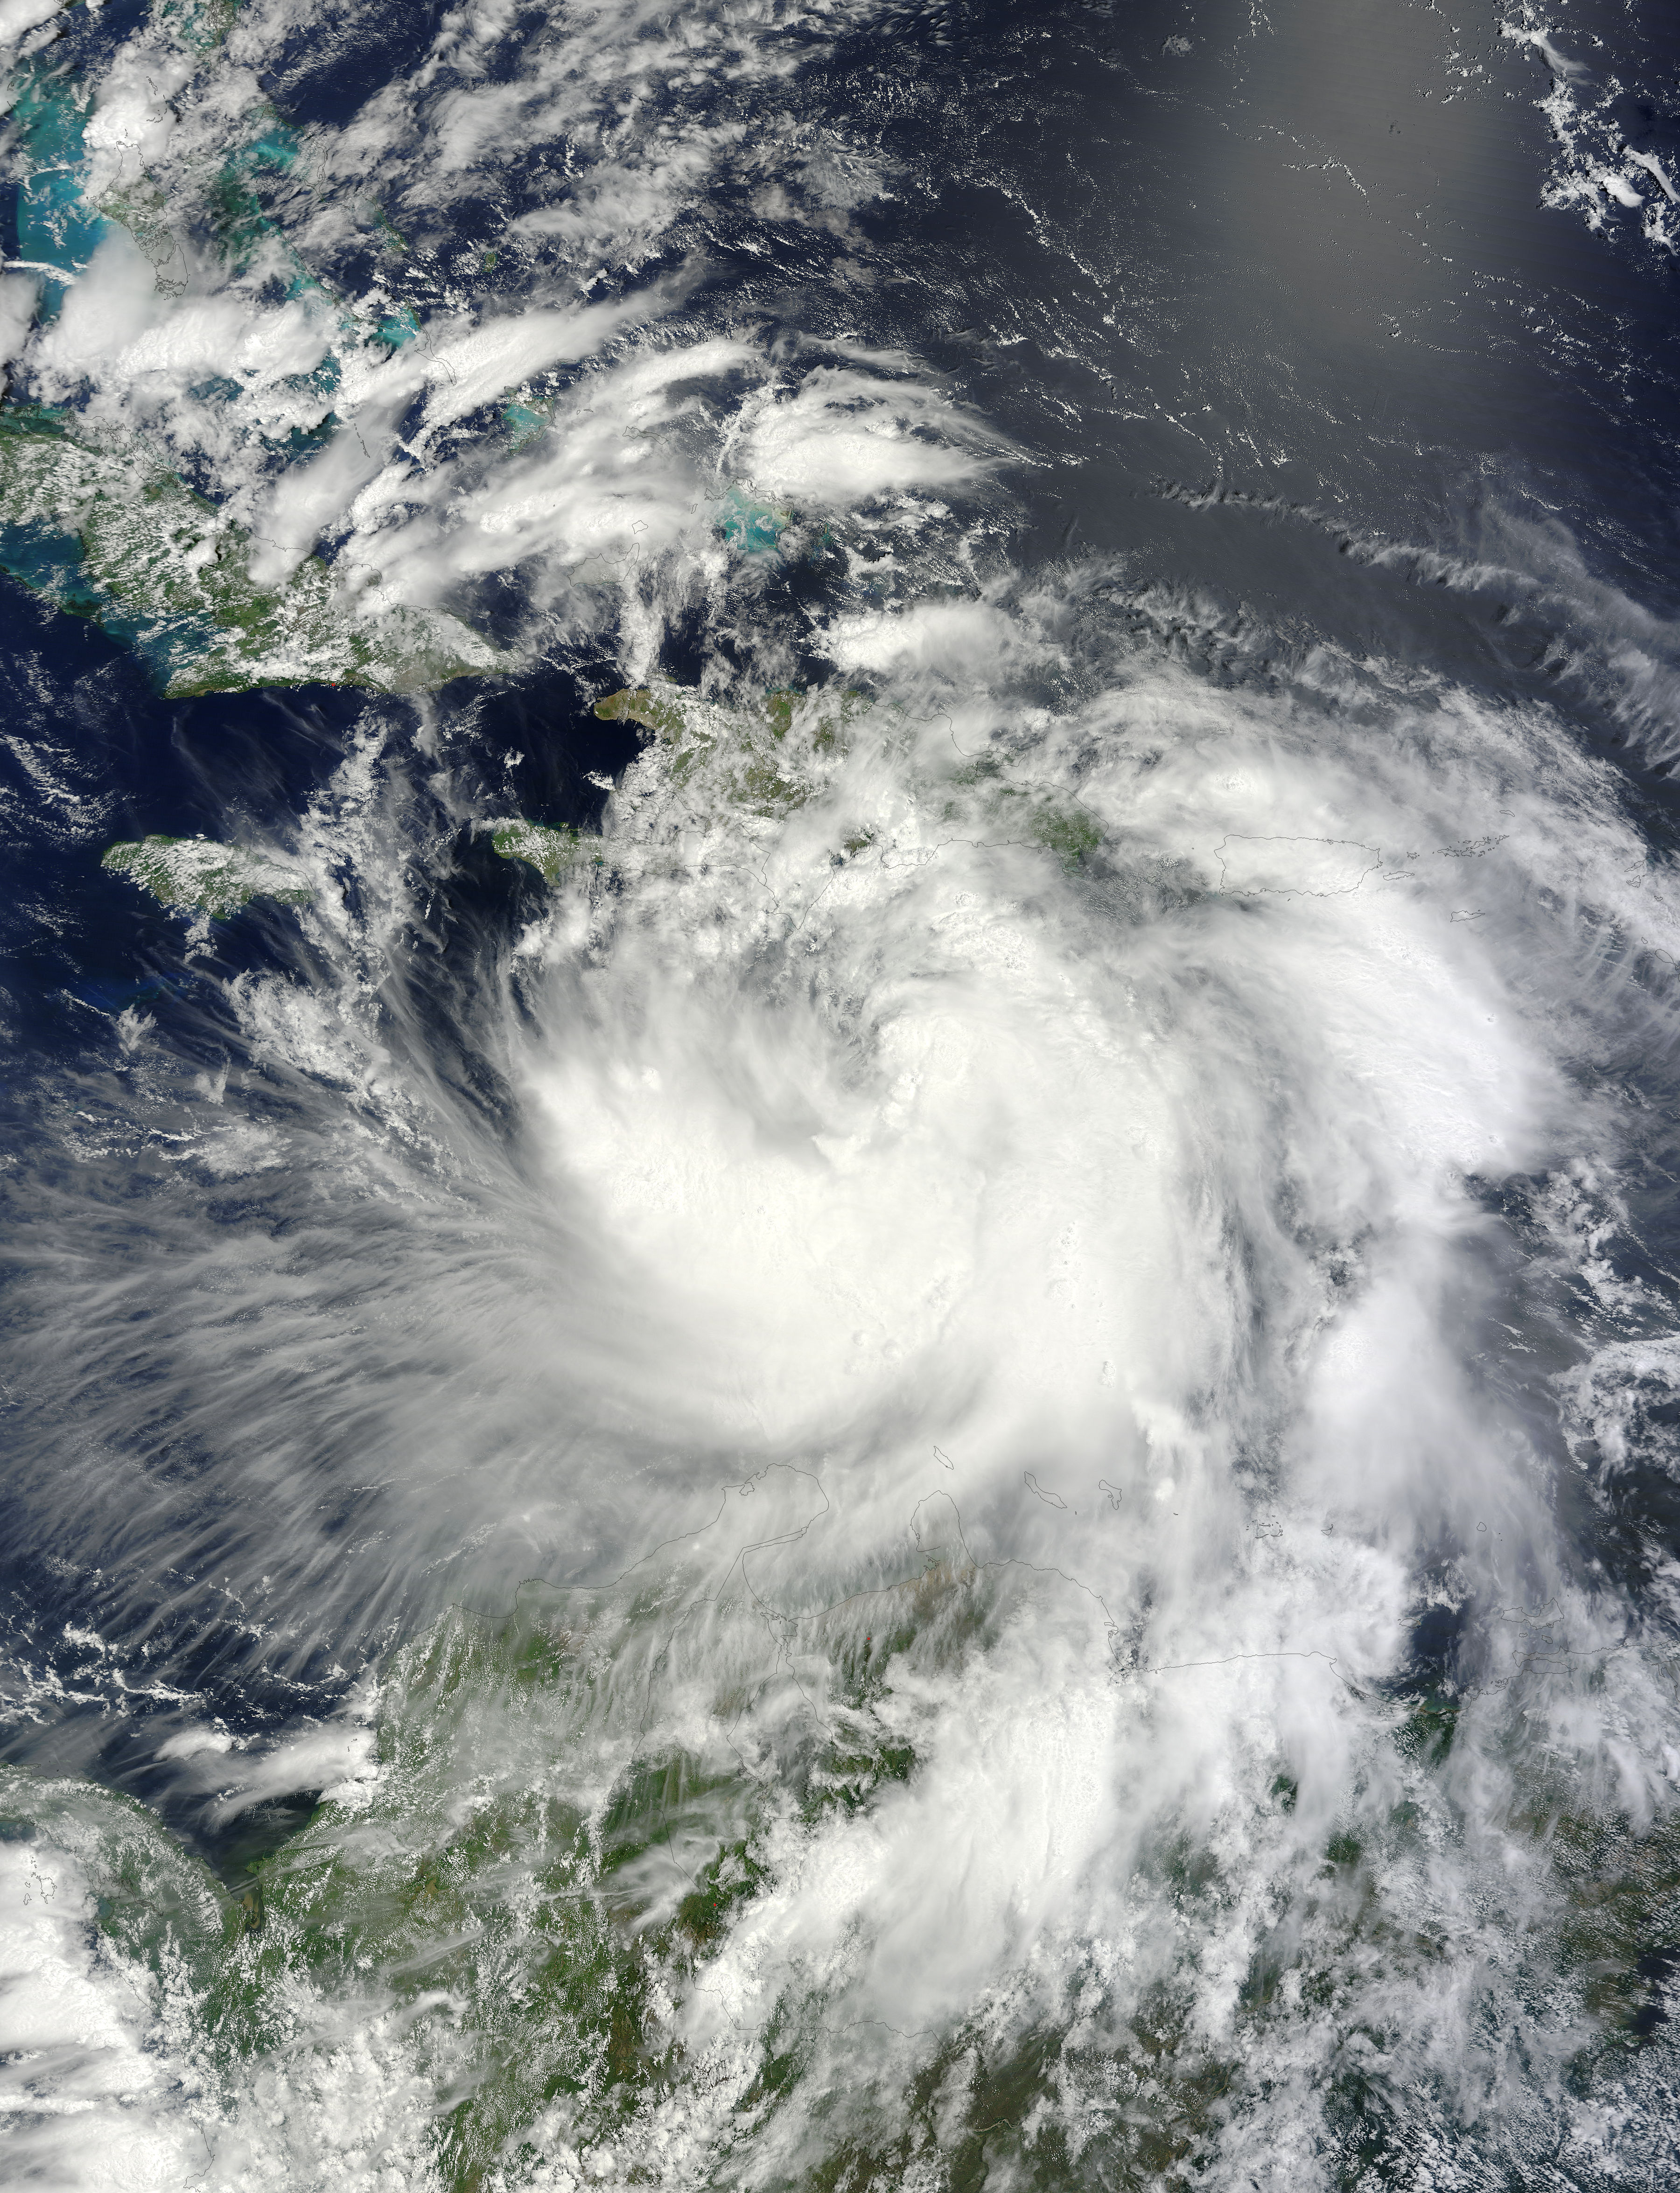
(839, 1337)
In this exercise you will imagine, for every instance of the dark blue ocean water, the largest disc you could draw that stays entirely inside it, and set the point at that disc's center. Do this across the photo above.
(1281, 356)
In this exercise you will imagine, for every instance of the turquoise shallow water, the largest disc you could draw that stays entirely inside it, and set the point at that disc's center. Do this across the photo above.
(56, 227)
(840, 1323)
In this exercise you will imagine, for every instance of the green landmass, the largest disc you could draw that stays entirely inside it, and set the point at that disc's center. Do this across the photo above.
(768, 752)
(772, 753)
(102, 530)
(661, 711)
(552, 853)
(103, 534)
(1070, 832)
(1070, 836)
(530, 1878)
(198, 873)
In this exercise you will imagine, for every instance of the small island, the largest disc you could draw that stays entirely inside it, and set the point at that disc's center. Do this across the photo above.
(196, 875)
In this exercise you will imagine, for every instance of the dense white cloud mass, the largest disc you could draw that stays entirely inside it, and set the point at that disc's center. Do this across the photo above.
(1061, 1193)
(1042, 1201)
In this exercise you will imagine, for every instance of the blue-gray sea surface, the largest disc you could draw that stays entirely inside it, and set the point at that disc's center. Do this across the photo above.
(841, 1309)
